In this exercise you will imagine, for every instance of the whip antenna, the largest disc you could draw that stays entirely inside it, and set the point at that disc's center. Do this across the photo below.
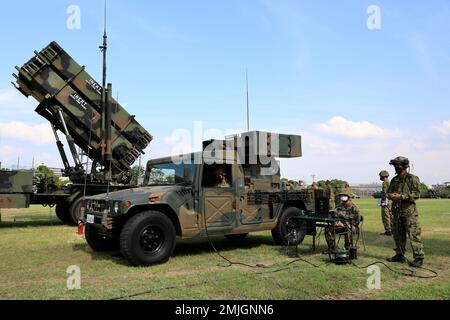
(248, 104)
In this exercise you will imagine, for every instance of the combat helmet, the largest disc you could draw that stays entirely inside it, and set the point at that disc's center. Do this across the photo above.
(220, 170)
(345, 192)
(400, 161)
(384, 174)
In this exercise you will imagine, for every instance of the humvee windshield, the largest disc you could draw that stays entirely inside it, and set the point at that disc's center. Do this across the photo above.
(170, 173)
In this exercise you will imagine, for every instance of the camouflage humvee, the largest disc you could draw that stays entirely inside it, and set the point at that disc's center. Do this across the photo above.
(187, 199)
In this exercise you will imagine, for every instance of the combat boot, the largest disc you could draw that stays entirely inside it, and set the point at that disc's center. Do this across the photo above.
(417, 263)
(330, 249)
(397, 258)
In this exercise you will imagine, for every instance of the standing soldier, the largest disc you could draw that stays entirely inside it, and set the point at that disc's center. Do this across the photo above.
(404, 191)
(386, 213)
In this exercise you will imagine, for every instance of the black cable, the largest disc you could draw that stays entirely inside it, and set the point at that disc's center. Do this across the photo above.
(158, 290)
(230, 263)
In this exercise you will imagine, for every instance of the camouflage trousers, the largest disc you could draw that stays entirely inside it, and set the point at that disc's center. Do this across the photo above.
(406, 223)
(345, 231)
(386, 217)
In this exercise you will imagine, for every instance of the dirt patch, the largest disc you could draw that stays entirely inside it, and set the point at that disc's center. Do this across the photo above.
(350, 295)
(442, 230)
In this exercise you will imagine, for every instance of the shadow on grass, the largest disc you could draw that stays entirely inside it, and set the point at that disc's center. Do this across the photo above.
(30, 223)
(115, 256)
(199, 247)
(436, 247)
(192, 247)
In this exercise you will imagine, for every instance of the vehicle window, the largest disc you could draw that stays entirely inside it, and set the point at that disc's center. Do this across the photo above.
(170, 173)
(217, 176)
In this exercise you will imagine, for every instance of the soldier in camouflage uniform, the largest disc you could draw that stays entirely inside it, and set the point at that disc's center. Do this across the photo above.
(386, 213)
(404, 191)
(349, 211)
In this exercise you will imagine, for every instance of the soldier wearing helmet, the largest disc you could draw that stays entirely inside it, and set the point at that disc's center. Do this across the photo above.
(350, 212)
(404, 190)
(386, 213)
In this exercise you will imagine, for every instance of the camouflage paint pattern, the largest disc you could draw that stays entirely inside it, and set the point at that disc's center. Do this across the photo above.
(405, 214)
(386, 210)
(351, 213)
(15, 188)
(253, 202)
(58, 82)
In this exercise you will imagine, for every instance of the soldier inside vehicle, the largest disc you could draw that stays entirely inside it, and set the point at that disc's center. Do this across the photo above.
(217, 176)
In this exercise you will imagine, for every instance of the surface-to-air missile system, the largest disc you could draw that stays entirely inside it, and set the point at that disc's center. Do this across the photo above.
(230, 189)
(86, 114)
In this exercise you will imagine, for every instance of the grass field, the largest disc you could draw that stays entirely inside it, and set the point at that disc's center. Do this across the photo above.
(36, 250)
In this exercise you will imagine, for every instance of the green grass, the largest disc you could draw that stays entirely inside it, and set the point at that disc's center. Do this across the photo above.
(36, 250)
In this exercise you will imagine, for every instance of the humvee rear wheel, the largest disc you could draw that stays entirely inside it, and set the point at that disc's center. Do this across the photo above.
(148, 238)
(98, 242)
(62, 211)
(236, 236)
(289, 231)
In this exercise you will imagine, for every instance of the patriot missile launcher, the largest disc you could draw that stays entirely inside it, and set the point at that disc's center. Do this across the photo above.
(85, 113)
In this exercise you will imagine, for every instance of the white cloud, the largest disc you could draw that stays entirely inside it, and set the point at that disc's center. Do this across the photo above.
(360, 160)
(319, 145)
(9, 154)
(13, 105)
(444, 128)
(6, 96)
(7, 150)
(343, 127)
(38, 134)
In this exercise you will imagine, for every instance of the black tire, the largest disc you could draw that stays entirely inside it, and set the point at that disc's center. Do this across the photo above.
(148, 238)
(286, 225)
(75, 211)
(98, 242)
(62, 211)
(240, 236)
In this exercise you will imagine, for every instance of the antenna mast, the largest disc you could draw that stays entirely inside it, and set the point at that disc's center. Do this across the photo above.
(248, 105)
(104, 49)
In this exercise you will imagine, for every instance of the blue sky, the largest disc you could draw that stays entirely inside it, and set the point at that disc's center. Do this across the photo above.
(358, 97)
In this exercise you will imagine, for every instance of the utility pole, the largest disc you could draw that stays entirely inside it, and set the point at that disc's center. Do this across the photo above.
(313, 177)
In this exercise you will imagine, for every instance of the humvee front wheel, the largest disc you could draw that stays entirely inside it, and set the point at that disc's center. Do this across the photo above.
(289, 231)
(98, 242)
(148, 238)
